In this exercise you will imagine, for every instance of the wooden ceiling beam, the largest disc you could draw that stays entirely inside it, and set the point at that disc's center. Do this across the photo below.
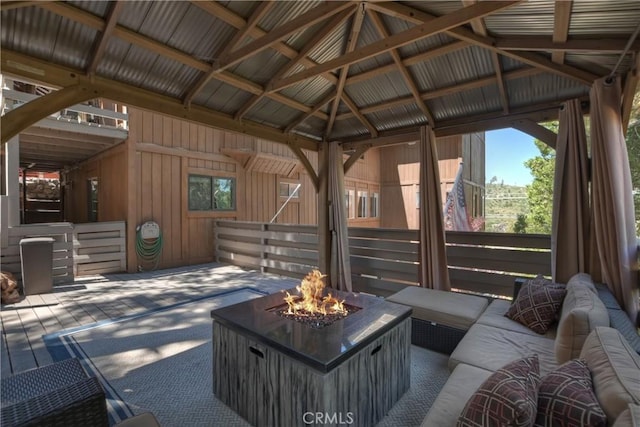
(296, 25)
(407, 77)
(105, 35)
(17, 64)
(424, 30)
(356, 25)
(532, 128)
(480, 28)
(356, 112)
(313, 111)
(255, 17)
(536, 60)
(309, 46)
(449, 90)
(561, 21)
(85, 18)
(574, 44)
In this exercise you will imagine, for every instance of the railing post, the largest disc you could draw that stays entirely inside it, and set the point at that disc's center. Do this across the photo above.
(263, 247)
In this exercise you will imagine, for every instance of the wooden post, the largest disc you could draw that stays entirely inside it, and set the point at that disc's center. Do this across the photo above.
(12, 179)
(324, 233)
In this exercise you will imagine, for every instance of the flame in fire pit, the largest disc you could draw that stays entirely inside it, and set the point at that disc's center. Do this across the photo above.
(310, 301)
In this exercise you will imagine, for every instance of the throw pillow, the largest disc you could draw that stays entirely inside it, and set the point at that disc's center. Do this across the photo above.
(537, 305)
(566, 398)
(508, 397)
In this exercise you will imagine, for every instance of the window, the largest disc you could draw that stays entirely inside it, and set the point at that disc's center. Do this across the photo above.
(290, 189)
(375, 205)
(362, 204)
(209, 193)
(92, 200)
(349, 196)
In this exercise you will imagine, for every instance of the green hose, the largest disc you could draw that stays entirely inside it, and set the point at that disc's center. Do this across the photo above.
(148, 250)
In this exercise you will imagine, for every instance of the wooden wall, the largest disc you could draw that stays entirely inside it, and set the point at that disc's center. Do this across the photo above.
(400, 173)
(110, 167)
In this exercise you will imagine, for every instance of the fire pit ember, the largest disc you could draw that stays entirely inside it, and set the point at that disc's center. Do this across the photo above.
(311, 307)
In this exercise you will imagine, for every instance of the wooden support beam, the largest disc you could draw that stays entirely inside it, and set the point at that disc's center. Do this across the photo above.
(256, 16)
(539, 132)
(307, 165)
(293, 26)
(324, 232)
(416, 16)
(351, 45)
(354, 109)
(561, 21)
(353, 158)
(424, 30)
(105, 35)
(408, 78)
(313, 111)
(17, 120)
(21, 65)
(603, 45)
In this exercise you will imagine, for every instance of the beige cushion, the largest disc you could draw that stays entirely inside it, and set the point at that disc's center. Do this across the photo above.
(583, 279)
(461, 385)
(582, 312)
(494, 316)
(492, 348)
(446, 308)
(615, 368)
(630, 417)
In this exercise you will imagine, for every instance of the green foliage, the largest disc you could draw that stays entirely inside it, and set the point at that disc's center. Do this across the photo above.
(503, 204)
(633, 149)
(540, 191)
(520, 226)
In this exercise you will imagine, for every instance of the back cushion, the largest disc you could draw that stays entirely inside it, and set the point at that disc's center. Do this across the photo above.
(582, 311)
(583, 279)
(615, 369)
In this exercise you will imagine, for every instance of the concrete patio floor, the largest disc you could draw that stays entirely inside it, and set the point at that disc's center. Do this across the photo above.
(94, 299)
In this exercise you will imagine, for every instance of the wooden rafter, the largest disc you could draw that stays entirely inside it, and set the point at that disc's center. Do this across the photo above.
(424, 30)
(449, 90)
(130, 36)
(356, 25)
(607, 45)
(307, 165)
(532, 128)
(561, 21)
(536, 60)
(313, 111)
(296, 25)
(408, 78)
(353, 158)
(105, 35)
(253, 20)
(480, 28)
(14, 63)
(309, 46)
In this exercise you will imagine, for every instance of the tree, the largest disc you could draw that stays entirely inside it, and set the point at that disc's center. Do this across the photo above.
(633, 149)
(520, 226)
(540, 191)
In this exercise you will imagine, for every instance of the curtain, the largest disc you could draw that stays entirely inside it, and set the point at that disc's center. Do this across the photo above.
(612, 199)
(571, 214)
(433, 269)
(340, 263)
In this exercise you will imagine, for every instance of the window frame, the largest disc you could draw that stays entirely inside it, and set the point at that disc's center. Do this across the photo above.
(212, 178)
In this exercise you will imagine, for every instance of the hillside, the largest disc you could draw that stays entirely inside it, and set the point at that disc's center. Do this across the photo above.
(503, 203)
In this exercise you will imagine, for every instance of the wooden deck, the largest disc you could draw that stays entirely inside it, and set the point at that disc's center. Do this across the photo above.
(89, 300)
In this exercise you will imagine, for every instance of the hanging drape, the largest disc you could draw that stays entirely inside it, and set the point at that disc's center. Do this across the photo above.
(340, 263)
(612, 199)
(571, 215)
(433, 256)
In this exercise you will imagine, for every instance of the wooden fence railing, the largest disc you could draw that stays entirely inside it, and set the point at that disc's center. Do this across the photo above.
(62, 232)
(384, 261)
(79, 249)
(99, 247)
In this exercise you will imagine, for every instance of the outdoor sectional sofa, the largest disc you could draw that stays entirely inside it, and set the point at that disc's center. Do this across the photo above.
(591, 327)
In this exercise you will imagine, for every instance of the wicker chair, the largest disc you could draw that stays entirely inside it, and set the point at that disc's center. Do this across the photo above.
(60, 394)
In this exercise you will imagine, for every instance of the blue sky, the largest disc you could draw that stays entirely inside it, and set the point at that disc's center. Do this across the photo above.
(506, 150)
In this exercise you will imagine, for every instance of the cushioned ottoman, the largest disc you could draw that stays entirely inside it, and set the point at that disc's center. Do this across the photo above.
(440, 319)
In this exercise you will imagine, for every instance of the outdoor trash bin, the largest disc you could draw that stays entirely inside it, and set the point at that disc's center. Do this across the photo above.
(36, 257)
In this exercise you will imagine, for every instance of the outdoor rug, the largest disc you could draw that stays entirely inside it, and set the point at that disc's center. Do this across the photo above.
(161, 361)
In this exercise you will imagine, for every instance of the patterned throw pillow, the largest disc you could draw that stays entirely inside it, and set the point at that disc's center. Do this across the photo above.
(537, 304)
(508, 397)
(566, 398)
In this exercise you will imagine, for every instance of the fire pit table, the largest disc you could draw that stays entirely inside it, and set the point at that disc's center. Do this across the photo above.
(276, 371)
